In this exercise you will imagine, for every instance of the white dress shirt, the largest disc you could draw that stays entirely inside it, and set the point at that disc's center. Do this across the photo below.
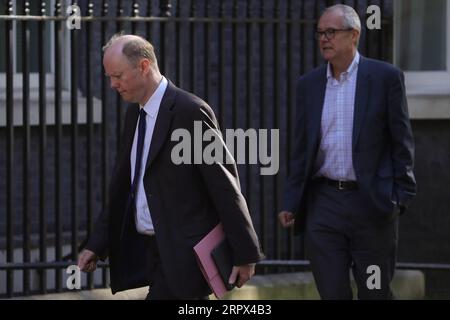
(334, 159)
(143, 218)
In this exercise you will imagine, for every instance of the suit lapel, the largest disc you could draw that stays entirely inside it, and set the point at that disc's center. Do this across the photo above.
(318, 98)
(130, 127)
(162, 124)
(133, 119)
(361, 98)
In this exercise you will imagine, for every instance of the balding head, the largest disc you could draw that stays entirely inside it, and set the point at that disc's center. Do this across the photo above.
(133, 47)
(130, 63)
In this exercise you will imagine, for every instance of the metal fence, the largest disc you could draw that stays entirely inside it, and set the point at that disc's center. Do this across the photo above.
(61, 122)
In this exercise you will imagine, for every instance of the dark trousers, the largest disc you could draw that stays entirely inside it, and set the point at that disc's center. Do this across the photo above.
(159, 289)
(344, 232)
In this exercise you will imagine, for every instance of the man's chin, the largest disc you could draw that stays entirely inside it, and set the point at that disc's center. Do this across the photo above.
(126, 98)
(327, 55)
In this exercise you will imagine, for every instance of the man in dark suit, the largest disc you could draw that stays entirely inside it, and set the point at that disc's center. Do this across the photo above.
(352, 164)
(158, 211)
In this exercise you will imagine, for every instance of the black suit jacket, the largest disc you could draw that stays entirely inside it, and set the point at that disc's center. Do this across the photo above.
(186, 201)
(382, 142)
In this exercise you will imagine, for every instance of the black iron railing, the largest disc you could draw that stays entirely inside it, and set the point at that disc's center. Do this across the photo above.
(242, 57)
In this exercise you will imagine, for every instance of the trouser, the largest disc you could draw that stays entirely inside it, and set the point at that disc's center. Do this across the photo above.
(344, 232)
(159, 289)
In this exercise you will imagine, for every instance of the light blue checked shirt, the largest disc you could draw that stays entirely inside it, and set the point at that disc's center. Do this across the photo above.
(334, 159)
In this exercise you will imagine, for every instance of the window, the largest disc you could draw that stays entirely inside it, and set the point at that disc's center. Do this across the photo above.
(17, 45)
(422, 45)
(49, 46)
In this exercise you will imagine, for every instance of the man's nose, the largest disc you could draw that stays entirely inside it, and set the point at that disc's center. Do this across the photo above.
(114, 84)
(323, 38)
(323, 41)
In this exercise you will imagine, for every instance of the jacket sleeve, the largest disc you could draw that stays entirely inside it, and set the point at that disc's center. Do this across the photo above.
(99, 237)
(402, 142)
(222, 183)
(297, 165)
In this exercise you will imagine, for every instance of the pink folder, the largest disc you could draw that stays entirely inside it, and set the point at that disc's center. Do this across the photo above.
(203, 253)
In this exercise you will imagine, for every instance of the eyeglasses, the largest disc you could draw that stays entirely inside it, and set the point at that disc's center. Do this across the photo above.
(329, 33)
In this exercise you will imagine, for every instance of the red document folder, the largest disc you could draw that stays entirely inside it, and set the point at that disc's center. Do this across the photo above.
(209, 269)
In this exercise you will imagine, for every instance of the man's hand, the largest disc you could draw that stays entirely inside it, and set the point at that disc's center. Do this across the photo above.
(286, 219)
(242, 274)
(87, 261)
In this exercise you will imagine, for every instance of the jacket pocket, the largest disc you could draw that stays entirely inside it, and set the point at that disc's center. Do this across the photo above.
(197, 228)
(385, 172)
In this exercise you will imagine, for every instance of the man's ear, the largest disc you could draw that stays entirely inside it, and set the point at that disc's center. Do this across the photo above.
(145, 66)
(355, 35)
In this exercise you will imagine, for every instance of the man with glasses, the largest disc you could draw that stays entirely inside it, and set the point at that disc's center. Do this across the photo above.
(352, 164)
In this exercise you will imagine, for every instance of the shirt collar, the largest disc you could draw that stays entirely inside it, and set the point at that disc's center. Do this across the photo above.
(351, 68)
(151, 107)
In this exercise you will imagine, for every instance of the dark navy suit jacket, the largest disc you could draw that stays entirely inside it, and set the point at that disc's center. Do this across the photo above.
(382, 144)
(186, 201)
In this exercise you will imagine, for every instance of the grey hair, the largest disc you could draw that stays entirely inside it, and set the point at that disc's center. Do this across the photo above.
(134, 49)
(351, 18)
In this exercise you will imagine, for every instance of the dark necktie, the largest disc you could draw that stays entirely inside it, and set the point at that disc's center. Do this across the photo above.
(139, 149)
(129, 210)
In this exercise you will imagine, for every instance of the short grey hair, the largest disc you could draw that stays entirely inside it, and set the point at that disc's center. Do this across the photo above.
(134, 49)
(351, 18)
